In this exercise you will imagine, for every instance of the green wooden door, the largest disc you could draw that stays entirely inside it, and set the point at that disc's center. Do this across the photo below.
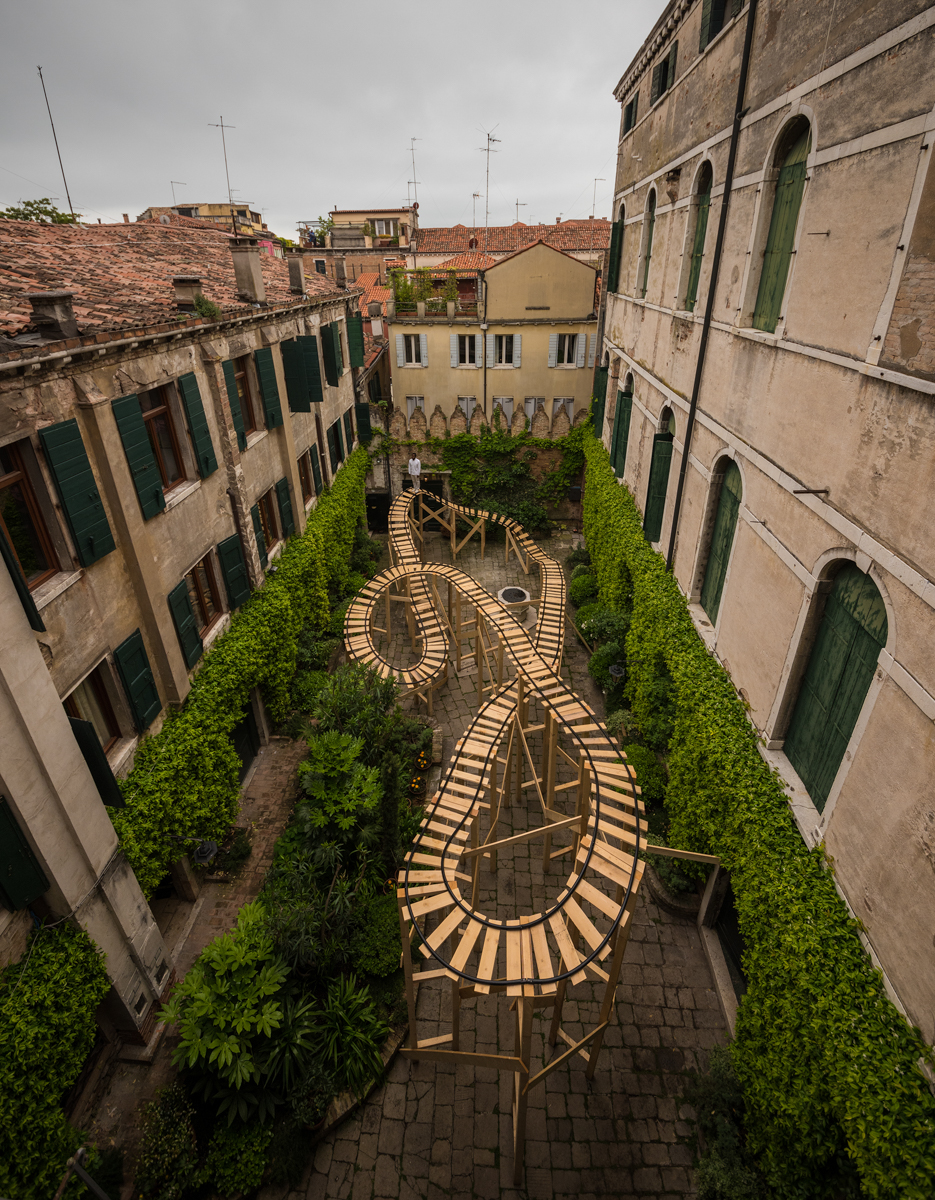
(725, 523)
(22, 878)
(837, 678)
(781, 239)
(658, 483)
(701, 228)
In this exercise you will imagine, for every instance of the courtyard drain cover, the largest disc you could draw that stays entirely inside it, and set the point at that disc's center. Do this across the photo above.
(514, 595)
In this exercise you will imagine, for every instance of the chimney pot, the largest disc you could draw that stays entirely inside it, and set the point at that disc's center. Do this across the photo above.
(126, 218)
(186, 287)
(296, 273)
(53, 313)
(247, 271)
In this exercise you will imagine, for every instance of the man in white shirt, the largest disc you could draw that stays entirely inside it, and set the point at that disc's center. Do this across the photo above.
(415, 469)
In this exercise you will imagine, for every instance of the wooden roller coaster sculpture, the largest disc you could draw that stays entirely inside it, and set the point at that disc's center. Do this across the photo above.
(582, 936)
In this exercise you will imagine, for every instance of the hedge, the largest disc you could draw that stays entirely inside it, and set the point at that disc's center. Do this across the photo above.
(828, 1064)
(184, 783)
(47, 1029)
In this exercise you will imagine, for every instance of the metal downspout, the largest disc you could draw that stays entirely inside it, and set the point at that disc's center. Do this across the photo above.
(715, 269)
(483, 339)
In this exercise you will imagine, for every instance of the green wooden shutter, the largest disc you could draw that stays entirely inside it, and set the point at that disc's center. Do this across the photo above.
(655, 86)
(269, 388)
(309, 346)
(705, 35)
(198, 425)
(185, 625)
(838, 676)
(233, 399)
(22, 879)
(722, 538)
(613, 266)
(258, 534)
(658, 482)
(712, 21)
(138, 682)
(140, 457)
(781, 239)
(651, 215)
(234, 571)
(364, 428)
(349, 428)
(701, 226)
(600, 398)
(332, 448)
(327, 353)
(374, 388)
(316, 470)
(624, 411)
(74, 482)
(90, 746)
(340, 440)
(22, 587)
(338, 351)
(355, 339)
(285, 507)
(293, 366)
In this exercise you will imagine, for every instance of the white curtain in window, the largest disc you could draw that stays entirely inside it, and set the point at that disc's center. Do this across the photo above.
(414, 402)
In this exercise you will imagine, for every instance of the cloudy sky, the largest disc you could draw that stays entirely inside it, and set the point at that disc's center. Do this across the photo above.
(324, 99)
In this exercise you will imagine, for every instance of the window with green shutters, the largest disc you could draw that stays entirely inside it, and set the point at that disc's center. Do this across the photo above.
(364, 428)
(22, 879)
(22, 587)
(663, 75)
(650, 220)
(658, 484)
(90, 746)
(613, 265)
(258, 534)
(374, 389)
(316, 469)
(780, 241)
(338, 349)
(269, 388)
(140, 458)
(74, 481)
(355, 339)
(138, 681)
(285, 507)
(309, 346)
(621, 434)
(186, 625)
(600, 399)
(349, 428)
(234, 571)
(293, 367)
(722, 539)
(630, 112)
(332, 448)
(205, 460)
(702, 205)
(840, 670)
(233, 399)
(713, 15)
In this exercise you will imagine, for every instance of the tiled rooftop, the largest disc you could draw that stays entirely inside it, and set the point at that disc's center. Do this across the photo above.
(121, 275)
(504, 239)
(472, 260)
(373, 291)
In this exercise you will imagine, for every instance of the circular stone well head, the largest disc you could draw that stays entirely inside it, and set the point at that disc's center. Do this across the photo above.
(513, 595)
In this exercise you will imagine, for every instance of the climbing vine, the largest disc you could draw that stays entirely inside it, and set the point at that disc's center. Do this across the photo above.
(184, 783)
(828, 1065)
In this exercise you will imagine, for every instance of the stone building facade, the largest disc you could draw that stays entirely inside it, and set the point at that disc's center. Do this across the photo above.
(797, 520)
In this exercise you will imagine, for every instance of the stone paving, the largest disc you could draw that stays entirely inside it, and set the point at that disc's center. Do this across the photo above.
(438, 1130)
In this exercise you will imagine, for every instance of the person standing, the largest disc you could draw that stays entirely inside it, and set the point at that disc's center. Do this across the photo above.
(415, 469)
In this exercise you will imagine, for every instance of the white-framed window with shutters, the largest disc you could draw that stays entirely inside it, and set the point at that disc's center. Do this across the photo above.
(566, 350)
(467, 404)
(530, 405)
(412, 350)
(566, 402)
(506, 403)
(503, 350)
(413, 403)
(466, 350)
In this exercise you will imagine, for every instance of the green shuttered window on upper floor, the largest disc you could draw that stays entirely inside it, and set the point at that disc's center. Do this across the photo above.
(355, 339)
(258, 534)
(22, 879)
(140, 458)
(780, 241)
(600, 399)
(364, 428)
(349, 428)
(198, 425)
(90, 746)
(74, 481)
(234, 571)
(621, 434)
(293, 367)
(701, 228)
(269, 388)
(285, 507)
(658, 485)
(713, 15)
(331, 352)
(616, 247)
(722, 539)
(309, 346)
(650, 220)
(332, 437)
(22, 587)
(663, 75)
(233, 399)
(138, 680)
(186, 625)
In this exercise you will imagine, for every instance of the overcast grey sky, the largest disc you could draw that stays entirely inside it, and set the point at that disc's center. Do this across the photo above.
(324, 97)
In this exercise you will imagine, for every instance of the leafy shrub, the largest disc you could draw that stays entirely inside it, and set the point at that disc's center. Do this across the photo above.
(313, 1095)
(727, 1170)
(650, 773)
(237, 1157)
(603, 624)
(587, 610)
(615, 723)
(355, 581)
(207, 308)
(306, 687)
(47, 1006)
(366, 552)
(343, 793)
(581, 589)
(581, 569)
(605, 656)
(235, 851)
(376, 947)
(578, 556)
(168, 1163)
(336, 623)
(352, 1035)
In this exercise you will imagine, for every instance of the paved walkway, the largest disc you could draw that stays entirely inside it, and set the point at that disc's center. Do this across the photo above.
(435, 1130)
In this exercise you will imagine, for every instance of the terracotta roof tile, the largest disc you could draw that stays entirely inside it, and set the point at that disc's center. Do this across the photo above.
(373, 290)
(472, 260)
(504, 239)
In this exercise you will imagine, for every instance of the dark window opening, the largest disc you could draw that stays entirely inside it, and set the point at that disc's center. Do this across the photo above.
(162, 436)
(203, 594)
(267, 506)
(248, 406)
(90, 702)
(22, 522)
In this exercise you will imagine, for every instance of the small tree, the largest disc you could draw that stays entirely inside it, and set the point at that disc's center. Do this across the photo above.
(43, 212)
(451, 287)
(424, 288)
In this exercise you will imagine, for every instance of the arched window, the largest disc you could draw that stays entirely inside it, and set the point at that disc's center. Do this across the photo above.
(659, 477)
(701, 205)
(722, 539)
(621, 434)
(649, 225)
(780, 242)
(840, 669)
(616, 250)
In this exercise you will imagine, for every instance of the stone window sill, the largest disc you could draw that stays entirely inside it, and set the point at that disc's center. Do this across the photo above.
(177, 495)
(257, 436)
(47, 592)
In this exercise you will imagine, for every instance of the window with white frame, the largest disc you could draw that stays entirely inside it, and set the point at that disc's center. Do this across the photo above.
(530, 404)
(386, 228)
(413, 403)
(506, 403)
(567, 350)
(503, 350)
(566, 402)
(467, 350)
(467, 404)
(413, 347)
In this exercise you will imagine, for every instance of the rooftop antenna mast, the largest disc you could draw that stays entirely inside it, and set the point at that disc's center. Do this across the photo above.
(55, 137)
(519, 206)
(230, 198)
(174, 183)
(488, 151)
(415, 182)
(594, 197)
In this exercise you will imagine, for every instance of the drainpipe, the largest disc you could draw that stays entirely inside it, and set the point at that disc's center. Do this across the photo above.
(739, 113)
(483, 326)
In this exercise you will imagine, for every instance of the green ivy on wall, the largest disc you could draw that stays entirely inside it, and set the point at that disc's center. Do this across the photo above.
(184, 783)
(47, 1029)
(828, 1065)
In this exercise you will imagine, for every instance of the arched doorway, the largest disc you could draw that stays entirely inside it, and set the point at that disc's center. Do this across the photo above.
(722, 539)
(659, 477)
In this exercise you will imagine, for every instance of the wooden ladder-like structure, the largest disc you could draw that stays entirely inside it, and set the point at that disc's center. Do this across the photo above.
(530, 730)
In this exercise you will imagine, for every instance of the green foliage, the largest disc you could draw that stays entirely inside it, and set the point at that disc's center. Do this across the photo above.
(352, 1035)
(312, 1097)
(451, 288)
(598, 623)
(341, 789)
(403, 291)
(43, 211)
(47, 1028)
(185, 779)
(168, 1162)
(235, 852)
(580, 570)
(554, 487)
(207, 308)
(108, 1173)
(289, 1152)
(422, 285)
(376, 947)
(237, 1157)
(827, 1064)
(578, 556)
(602, 658)
(650, 773)
(581, 589)
(727, 1170)
(306, 687)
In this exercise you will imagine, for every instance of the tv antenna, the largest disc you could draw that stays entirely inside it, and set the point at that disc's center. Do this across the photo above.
(222, 127)
(519, 206)
(174, 183)
(475, 198)
(594, 197)
(55, 138)
(488, 151)
(414, 181)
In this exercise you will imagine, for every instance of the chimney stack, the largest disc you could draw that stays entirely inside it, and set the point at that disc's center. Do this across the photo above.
(186, 286)
(126, 218)
(340, 273)
(375, 313)
(247, 270)
(53, 313)
(296, 273)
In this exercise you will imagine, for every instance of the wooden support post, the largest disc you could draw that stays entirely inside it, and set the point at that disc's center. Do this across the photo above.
(557, 1011)
(549, 762)
(494, 807)
(389, 610)
(479, 654)
(407, 969)
(475, 862)
(499, 660)
(455, 1015)
(518, 741)
(610, 987)
(483, 537)
(524, 1009)
(583, 803)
